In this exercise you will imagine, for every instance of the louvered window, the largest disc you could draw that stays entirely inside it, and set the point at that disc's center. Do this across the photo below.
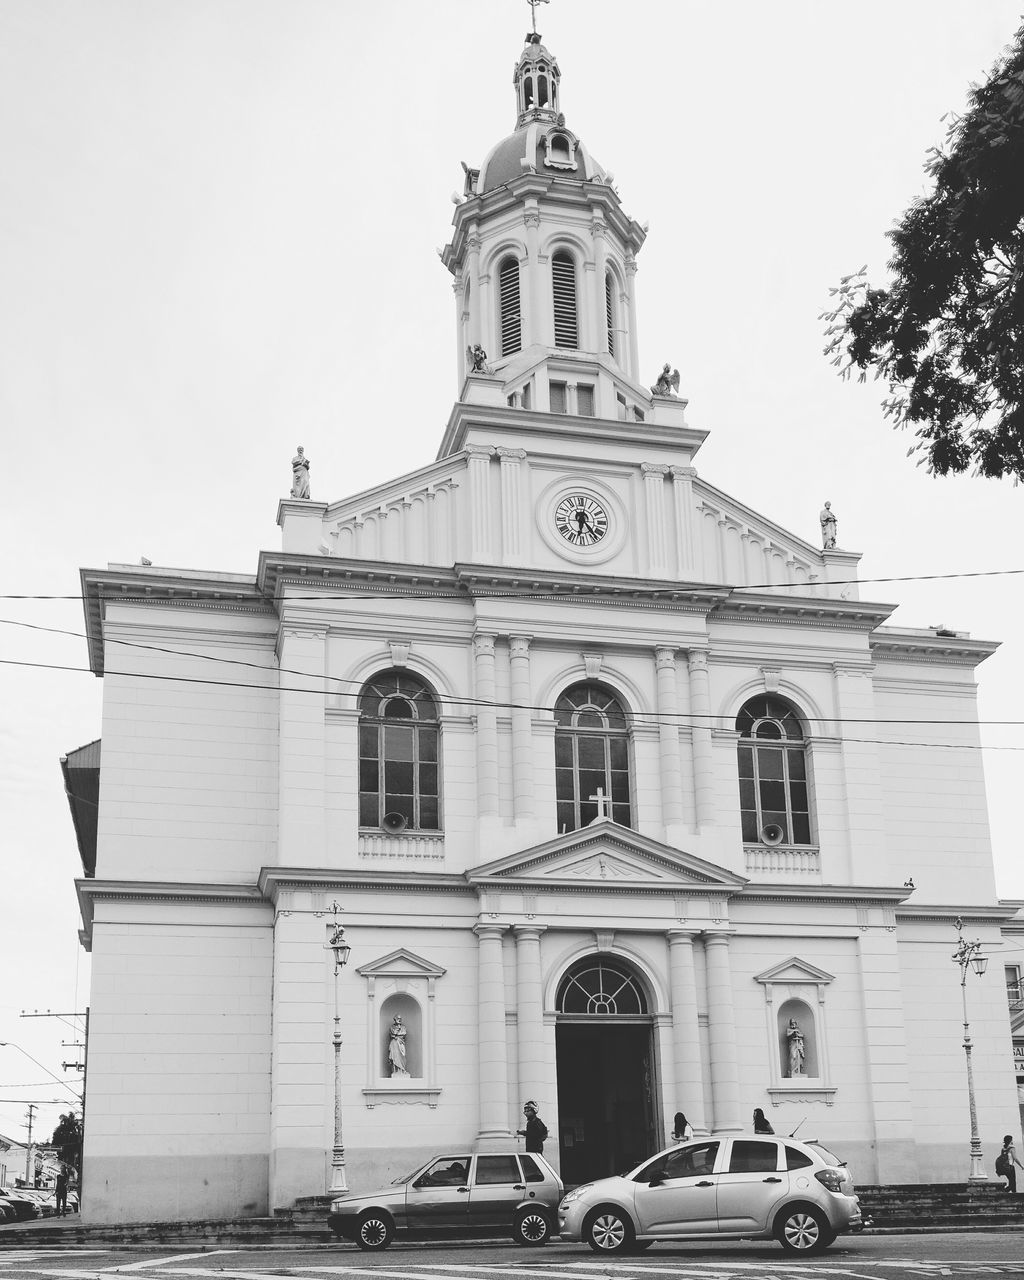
(563, 278)
(559, 395)
(511, 317)
(609, 311)
(585, 401)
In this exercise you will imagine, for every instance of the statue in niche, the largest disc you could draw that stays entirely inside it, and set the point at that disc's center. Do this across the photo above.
(668, 382)
(797, 1052)
(300, 474)
(828, 527)
(477, 358)
(396, 1046)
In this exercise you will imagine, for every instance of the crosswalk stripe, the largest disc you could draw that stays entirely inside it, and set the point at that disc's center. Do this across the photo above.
(177, 1257)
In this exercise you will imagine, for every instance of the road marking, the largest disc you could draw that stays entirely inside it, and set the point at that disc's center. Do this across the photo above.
(177, 1257)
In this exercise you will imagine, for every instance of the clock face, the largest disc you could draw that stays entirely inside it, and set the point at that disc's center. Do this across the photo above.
(581, 520)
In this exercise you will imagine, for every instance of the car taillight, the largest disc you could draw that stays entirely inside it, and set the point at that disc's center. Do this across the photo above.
(830, 1178)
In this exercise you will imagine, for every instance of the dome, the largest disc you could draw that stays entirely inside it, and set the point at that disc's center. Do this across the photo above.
(546, 147)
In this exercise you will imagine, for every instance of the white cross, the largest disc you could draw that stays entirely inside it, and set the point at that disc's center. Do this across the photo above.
(602, 802)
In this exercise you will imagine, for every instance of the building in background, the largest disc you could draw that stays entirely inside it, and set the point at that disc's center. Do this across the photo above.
(618, 789)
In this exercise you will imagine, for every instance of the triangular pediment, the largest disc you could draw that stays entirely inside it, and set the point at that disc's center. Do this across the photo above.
(606, 853)
(794, 970)
(401, 964)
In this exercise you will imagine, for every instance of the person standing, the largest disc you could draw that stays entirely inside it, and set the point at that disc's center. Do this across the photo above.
(1005, 1161)
(60, 1193)
(536, 1130)
(761, 1123)
(682, 1130)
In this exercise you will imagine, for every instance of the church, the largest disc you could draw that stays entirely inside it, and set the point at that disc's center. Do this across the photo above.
(547, 771)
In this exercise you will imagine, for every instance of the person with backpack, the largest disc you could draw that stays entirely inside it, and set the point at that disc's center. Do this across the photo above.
(536, 1130)
(1005, 1161)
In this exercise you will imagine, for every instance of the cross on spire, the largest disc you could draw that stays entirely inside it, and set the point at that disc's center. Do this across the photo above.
(533, 13)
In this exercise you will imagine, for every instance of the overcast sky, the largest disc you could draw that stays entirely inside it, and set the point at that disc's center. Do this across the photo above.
(218, 224)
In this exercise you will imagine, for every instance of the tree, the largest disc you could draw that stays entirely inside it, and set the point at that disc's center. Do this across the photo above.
(948, 333)
(67, 1140)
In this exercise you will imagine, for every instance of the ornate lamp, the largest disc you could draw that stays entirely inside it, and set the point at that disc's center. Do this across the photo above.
(968, 956)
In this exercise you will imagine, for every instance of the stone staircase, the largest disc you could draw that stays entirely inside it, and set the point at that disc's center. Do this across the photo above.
(922, 1207)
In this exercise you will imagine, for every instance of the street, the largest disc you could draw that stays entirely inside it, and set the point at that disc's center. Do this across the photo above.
(861, 1258)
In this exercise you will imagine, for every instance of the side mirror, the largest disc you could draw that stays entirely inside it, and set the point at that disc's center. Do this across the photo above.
(657, 1181)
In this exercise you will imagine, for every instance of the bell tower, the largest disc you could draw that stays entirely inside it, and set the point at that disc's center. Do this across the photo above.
(544, 263)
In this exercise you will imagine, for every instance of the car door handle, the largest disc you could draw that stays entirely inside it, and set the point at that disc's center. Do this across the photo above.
(771, 1179)
(463, 1191)
(520, 1186)
(705, 1184)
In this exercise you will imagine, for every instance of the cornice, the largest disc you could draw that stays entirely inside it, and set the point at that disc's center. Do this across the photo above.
(892, 645)
(572, 586)
(839, 893)
(92, 891)
(1003, 913)
(272, 881)
(746, 607)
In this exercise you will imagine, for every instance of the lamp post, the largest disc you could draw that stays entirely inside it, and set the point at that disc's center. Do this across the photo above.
(341, 952)
(968, 956)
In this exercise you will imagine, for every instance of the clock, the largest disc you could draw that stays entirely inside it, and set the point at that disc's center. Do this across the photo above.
(581, 520)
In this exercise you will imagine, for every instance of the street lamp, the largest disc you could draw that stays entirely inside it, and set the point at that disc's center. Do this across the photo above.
(968, 956)
(341, 951)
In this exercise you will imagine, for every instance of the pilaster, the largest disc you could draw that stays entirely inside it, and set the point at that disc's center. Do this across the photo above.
(688, 1090)
(302, 760)
(486, 727)
(668, 732)
(725, 1092)
(654, 503)
(493, 1065)
(703, 760)
(522, 727)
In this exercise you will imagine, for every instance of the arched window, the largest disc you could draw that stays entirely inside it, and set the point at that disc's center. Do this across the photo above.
(563, 281)
(600, 988)
(591, 756)
(508, 302)
(398, 754)
(774, 804)
(609, 310)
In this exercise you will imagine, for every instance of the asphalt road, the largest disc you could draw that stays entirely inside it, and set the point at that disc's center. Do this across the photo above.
(861, 1258)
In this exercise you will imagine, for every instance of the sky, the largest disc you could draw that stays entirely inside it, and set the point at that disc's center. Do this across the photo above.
(219, 223)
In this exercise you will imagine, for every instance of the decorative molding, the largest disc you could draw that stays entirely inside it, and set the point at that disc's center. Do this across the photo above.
(604, 939)
(400, 1095)
(771, 676)
(409, 846)
(592, 664)
(802, 1093)
(399, 652)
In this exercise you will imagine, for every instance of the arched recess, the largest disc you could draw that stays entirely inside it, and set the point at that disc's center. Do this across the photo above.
(796, 1031)
(624, 688)
(400, 779)
(593, 757)
(400, 1037)
(355, 676)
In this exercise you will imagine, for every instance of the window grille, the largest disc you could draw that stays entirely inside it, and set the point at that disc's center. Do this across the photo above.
(774, 800)
(511, 315)
(597, 987)
(609, 311)
(563, 277)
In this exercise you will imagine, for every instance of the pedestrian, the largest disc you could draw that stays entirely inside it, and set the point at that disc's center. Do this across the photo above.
(60, 1193)
(682, 1130)
(761, 1123)
(536, 1130)
(1005, 1161)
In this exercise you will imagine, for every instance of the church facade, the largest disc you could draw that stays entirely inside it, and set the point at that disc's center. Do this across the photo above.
(618, 790)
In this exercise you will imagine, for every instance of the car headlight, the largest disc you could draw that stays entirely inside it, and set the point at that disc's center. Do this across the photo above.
(574, 1194)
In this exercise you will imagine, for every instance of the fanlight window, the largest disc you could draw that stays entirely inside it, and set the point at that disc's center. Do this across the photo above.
(600, 989)
(591, 756)
(563, 280)
(774, 802)
(398, 754)
(508, 304)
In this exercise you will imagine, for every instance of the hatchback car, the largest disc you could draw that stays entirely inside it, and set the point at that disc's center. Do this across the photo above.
(457, 1192)
(720, 1187)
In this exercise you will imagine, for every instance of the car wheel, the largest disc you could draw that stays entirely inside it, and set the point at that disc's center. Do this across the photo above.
(374, 1230)
(803, 1230)
(531, 1227)
(609, 1230)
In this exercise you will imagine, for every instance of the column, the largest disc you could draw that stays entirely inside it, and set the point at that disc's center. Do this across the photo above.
(634, 356)
(511, 507)
(668, 730)
(703, 763)
(486, 728)
(474, 331)
(654, 501)
(686, 541)
(522, 727)
(479, 468)
(725, 1091)
(689, 1092)
(492, 1049)
(531, 297)
(461, 324)
(533, 1073)
(599, 232)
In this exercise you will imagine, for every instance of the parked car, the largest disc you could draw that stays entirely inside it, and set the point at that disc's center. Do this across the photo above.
(7, 1213)
(507, 1190)
(24, 1207)
(42, 1199)
(732, 1188)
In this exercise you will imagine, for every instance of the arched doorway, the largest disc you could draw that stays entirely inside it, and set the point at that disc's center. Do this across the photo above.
(606, 1070)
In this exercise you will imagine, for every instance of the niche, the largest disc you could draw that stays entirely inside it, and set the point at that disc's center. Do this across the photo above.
(798, 1041)
(407, 1008)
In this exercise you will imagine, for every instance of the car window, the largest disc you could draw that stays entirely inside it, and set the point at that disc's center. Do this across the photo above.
(753, 1157)
(491, 1170)
(449, 1171)
(533, 1171)
(682, 1162)
(827, 1155)
(797, 1159)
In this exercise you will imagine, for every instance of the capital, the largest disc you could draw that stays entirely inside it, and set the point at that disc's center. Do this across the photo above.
(683, 473)
(510, 455)
(482, 451)
(654, 468)
(483, 646)
(665, 658)
(519, 646)
(697, 659)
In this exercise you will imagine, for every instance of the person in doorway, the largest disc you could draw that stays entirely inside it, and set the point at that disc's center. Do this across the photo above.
(536, 1130)
(60, 1193)
(1005, 1161)
(682, 1130)
(761, 1122)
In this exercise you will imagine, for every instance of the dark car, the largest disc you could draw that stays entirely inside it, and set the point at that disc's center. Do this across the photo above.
(24, 1206)
(507, 1190)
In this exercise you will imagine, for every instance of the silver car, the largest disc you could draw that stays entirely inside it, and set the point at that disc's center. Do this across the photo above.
(719, 1187)
(511, 1191)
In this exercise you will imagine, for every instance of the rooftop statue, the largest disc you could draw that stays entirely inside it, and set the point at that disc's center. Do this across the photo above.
(828, 527)
(477, 358)
(668, 382)
(300, 475)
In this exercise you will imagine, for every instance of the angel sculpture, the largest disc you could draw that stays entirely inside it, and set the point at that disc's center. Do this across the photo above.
(477, 358)
(668, 382)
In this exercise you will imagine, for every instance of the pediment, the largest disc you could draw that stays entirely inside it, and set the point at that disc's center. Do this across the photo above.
(606, 853)
(794, 970)
(401, 964)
